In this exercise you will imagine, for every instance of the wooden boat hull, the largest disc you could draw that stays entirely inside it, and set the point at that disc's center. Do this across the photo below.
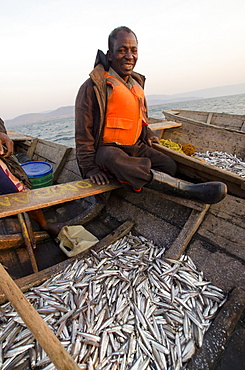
(199, 171)
(83, 211)
(232, 122)
(213, 236)
(208, 138)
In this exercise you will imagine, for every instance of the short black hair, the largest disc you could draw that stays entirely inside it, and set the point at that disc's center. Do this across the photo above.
(113, 35)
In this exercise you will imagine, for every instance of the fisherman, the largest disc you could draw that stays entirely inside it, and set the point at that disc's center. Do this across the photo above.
(111, 130)
(13, 179)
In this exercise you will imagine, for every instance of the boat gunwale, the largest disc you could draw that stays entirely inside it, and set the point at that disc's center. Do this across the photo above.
(199, 123)
(198, 162)
(235, 304)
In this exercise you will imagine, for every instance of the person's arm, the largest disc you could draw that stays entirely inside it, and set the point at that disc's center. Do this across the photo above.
(2, 127)
(149, 136)
(152, 138)
(5, 140)
(86, 113)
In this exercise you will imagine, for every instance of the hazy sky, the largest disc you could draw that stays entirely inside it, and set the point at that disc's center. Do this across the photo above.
(48, 47)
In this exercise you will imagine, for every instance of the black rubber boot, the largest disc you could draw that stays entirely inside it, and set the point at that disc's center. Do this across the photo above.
(207, 192)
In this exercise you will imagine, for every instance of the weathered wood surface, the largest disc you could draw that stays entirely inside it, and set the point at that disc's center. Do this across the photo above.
(195, 168)
(60, 163)
(233, 122)
(16, 136)
(183, 239)
(38, 327)
(161, 218)
(15, 203)
(32, 148)
(29, 281)
(206, 137)
(15, 240)
(219, 333)
(50, 152)
(61, 157)
(156, 216)
(216, 247)
(27, 233)
(210, 115)
(162, 125)
(70, 169)
(224, 226)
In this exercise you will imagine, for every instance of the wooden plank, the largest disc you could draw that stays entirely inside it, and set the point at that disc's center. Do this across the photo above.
(60, 163)
(209, 118)
(32, 148)
(164, 125)
(38, 327)
(25, 201)
(28, 241)
(16, 136)
(229, 122)
(29, 281)
(48, 151)
(230, 209)
(227, 234)
(55, 154)
(15, 240)
(207, 138)
(183, 239)
(173, 112)
(114, 235)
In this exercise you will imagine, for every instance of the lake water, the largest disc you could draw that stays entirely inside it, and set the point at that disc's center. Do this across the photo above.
(62, 130)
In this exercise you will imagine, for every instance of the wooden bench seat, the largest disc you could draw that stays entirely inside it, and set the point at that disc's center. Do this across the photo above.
(162, 125)
(12, 204)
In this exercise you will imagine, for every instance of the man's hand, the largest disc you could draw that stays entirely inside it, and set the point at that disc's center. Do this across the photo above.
(5, 140)
(153, 139)
(100, 178)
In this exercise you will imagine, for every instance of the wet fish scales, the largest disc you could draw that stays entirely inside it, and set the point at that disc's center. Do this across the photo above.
(157, 282)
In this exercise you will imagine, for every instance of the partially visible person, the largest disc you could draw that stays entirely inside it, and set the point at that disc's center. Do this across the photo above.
(4, 139)
(13, 179)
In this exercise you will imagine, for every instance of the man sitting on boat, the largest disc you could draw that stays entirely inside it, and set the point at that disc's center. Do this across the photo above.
(111, 130)
(13, 179)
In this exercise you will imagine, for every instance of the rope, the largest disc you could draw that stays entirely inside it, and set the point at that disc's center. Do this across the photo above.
(187, 149)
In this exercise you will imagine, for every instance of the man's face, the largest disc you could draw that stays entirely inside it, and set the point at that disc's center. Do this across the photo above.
(124, 55)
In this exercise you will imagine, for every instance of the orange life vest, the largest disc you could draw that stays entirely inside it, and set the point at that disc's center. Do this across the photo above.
(124, 114)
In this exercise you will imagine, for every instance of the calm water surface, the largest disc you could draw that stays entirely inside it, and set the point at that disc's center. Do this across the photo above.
(62, 130)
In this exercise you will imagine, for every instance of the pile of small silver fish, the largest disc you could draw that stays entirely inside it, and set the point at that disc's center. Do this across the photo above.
(126, 307)
(225, 161)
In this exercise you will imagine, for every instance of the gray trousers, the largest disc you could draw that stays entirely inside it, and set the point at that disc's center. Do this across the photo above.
(132, 164)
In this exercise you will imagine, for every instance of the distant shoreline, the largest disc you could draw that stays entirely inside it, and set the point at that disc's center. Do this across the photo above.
(69, 111)
(9, 124)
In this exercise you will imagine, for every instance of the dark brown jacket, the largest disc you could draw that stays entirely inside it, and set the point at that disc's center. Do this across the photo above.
(2, 127)
(90, 110)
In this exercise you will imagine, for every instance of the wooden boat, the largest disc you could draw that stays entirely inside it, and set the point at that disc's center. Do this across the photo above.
(213, 236)
(231, 122)
(204, 138)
